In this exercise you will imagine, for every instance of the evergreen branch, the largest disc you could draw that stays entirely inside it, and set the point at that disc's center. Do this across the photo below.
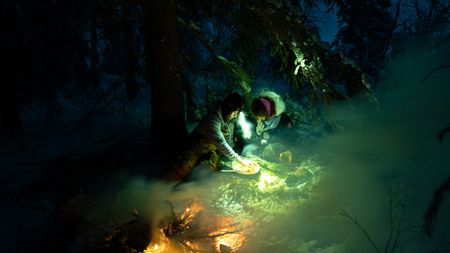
(443, 132)
(433, 209)
(236, 71)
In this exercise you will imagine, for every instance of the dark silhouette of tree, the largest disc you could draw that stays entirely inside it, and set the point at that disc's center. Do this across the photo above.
(293, 44)
(427, 19)
(431, 215)
(168, 126)
(42, 50)
(365, 31)
(70, 47)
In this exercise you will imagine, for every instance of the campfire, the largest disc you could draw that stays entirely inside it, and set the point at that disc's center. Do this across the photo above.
(221, 221)
(196, 229)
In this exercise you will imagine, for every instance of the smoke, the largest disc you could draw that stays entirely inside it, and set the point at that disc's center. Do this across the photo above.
(380, 172)
(150, 199)
(389, 154)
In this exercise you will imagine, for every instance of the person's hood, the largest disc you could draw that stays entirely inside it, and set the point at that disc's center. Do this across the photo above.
(280, 106)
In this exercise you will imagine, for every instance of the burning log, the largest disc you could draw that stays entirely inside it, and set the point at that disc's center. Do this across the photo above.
(223, 221)
(196, 229)
(134, 235)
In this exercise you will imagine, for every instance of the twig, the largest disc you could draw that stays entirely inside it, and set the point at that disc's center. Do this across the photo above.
(438, 68)
(345, 214)
(115, 222)
(391, 220)
(402, 219)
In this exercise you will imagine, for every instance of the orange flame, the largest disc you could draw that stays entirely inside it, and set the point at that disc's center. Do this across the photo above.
(221, 233)
(160, 245)
(189, 213)
(232, 241)
(229, 235)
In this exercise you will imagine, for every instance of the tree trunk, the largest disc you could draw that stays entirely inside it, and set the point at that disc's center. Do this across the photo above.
(131, 85)
(10, 121)
(163, 61)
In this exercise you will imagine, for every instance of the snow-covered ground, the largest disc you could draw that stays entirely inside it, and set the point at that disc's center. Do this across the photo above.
(381, 156)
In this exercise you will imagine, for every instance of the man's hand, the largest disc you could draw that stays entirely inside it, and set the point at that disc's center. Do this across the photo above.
(246, 166)
(249, 163)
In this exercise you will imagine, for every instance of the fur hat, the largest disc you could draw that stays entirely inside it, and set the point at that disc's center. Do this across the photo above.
(267, 104)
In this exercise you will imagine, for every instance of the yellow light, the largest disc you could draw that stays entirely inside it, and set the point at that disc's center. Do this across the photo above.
(161, 244)
(228, 235)
(242, 169)
(234, 241)
(269, 182)
(155, 248)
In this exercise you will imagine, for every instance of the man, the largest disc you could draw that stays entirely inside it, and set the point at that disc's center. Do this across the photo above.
(212, 137)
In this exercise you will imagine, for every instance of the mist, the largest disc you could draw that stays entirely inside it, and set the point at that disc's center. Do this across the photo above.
(380, 169)
(389, 151)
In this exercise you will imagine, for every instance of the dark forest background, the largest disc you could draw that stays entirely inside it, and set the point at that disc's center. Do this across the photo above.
(90, 87)
(104, 55)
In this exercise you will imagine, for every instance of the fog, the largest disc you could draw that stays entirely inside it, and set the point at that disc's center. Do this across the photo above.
(383, 152)
(394, 146)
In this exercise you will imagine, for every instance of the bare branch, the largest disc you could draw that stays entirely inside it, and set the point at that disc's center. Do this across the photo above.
(391, 219)
(346, 215)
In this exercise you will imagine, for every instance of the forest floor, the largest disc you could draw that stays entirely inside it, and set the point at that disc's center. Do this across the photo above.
(50, 179)
(98, 191)
(70, 199)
